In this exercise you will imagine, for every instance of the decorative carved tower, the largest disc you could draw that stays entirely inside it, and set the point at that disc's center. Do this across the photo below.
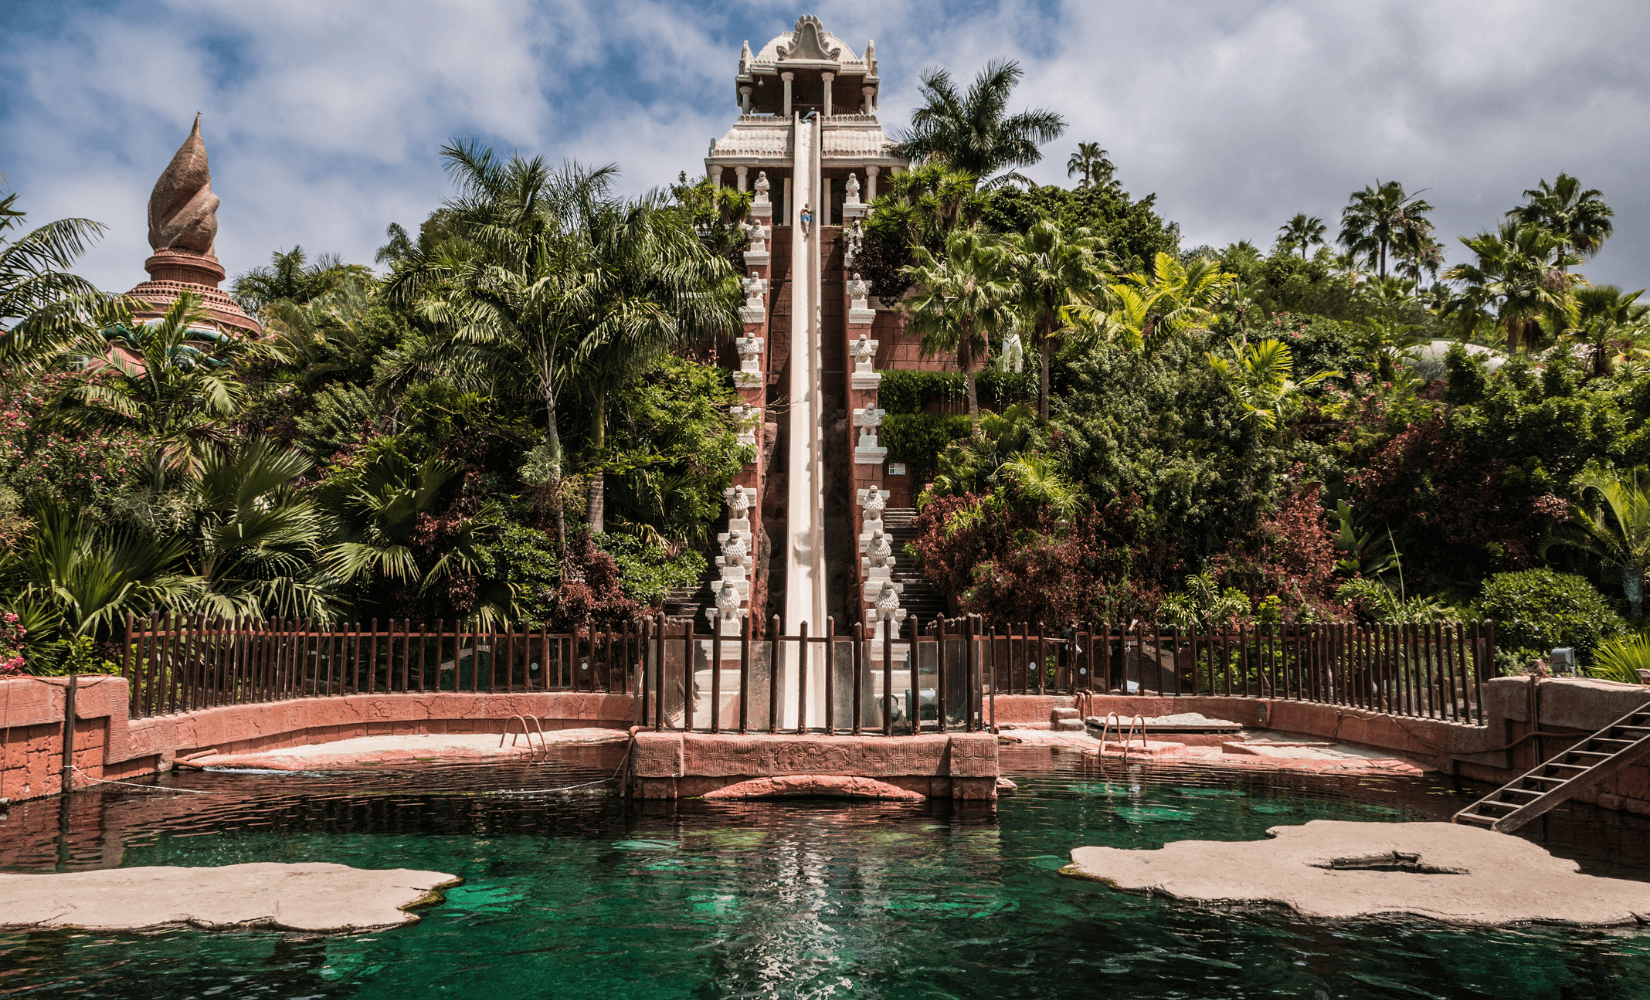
(183, 225)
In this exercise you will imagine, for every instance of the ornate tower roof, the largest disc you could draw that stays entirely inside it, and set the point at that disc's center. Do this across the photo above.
(183, 225)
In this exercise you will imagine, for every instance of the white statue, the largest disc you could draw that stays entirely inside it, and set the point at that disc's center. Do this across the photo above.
(754, 288)
(864, 353)
(852, 244)
(1014, 356)
(880, 553)
(858, 289)
(759, 238)
(761, 187)
(853, 189)
(874, 501)
(726, 614)
(735, 551)
(887, 604)
(739, 501)
(868, 420)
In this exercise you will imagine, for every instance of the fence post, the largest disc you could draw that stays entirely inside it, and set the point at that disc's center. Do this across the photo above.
(916, 680)
(830, 675)
(939, 672)
(716, 675)
(775, 658)
(887, 625)
(859, 669)
(744, 674)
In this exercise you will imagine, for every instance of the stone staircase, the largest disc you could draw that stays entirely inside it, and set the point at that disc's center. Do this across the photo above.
(919, 598)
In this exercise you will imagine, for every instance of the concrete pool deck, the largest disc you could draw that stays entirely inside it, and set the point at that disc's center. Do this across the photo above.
(410, 748)
(1255, 750)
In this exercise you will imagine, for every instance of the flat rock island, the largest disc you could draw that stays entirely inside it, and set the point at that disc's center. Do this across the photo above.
(312, 896)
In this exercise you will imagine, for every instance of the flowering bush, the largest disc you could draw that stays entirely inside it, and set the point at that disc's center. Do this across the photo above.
(12, 634)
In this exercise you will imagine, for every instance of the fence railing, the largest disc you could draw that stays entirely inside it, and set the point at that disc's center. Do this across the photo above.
(942, 676)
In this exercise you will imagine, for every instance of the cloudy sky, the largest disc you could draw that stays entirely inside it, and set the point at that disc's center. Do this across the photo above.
(323, 119)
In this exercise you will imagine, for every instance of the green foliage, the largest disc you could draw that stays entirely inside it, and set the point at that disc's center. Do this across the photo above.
(1202, 605)
(1622, 659)
(340, 418)
(1538, 610)
(910, 391)
(647, 572)
(1374, 601)
(917, 439)
(1133, 232)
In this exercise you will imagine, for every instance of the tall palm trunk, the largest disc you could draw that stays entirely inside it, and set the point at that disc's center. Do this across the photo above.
(598, 479)
(965, 358)
(1044, 322)
(1632, 584)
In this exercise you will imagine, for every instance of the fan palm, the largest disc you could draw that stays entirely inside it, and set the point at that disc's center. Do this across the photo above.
(1605, 316)
(1380, 216)
(78, 579)
(962, 299)
(974, 131)
(1519, 273)
(379, 512)
(290, 277)
(1611, 520)
(1148, 310)
(1091, 161)
(1580, 218)
(1051, 270)
(1301, 233)
(256, 540)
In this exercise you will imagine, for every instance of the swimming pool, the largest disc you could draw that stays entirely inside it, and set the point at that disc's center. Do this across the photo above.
(578, 893)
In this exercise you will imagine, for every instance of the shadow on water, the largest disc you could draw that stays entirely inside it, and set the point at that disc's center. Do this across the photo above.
(571, 891)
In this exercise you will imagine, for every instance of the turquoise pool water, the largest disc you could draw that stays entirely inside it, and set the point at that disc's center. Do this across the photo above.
(578, 894)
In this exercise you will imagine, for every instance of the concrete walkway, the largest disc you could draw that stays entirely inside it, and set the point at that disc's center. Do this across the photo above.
(385, 751)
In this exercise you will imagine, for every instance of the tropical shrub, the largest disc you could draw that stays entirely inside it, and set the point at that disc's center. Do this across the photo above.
(1538, 610)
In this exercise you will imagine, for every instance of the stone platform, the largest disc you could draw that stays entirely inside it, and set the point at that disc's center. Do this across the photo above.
(935, 765)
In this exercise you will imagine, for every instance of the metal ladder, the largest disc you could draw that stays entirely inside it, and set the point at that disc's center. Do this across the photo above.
(1575, 770)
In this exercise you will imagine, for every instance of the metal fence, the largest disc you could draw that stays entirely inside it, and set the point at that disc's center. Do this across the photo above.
(939, 677)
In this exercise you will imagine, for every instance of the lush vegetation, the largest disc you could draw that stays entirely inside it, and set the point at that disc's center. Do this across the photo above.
(1307, 432)
(504, 426)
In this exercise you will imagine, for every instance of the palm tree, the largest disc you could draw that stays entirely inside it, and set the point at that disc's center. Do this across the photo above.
(1379, 217)
(42, 305)
(1149, 310)
(1519, 273)
(1580, 218)
(1262, 379)
(173, 379)
(1604, 315)
(510, 281)
(1051, 270)
(257, 542)
(72, 578)
(1301, 233)
(974, 132)
(379, 515)
(963, 297)
(1615, 528)
(1091, 161)
(647, 284)
(291, 277)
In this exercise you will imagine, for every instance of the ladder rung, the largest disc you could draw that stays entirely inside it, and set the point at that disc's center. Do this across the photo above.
(1588, 753)
(1542, 777)
(1499, 805)
(1522, 791)
(1608, 739)
(1573, 767)
(1470, 818)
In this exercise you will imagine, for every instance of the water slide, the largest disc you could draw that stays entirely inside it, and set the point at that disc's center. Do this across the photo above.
(805, 578)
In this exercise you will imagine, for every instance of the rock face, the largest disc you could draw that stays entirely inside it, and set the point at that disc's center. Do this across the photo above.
(1332, 869)
(301, 897)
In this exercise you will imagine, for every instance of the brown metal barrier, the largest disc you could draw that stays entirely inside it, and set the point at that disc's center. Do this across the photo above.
(897, 679)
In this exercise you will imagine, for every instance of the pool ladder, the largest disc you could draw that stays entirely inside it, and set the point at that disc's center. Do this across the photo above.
(1575, 770)
(544, 744)
(1136, 723)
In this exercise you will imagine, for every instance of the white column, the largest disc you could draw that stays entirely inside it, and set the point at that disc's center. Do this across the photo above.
(715, 175)
(787, 77)
(871, 171)
(744, 100)
(866, 108)
(827, 77)
(739, 176)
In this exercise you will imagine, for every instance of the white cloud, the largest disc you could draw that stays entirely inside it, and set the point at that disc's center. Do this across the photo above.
(323, 120)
